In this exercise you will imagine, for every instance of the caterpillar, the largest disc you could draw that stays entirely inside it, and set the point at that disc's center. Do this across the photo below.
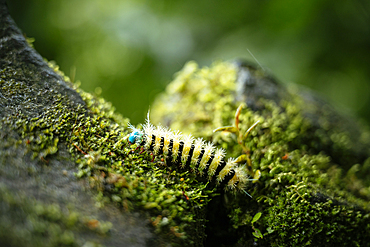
(186, 151)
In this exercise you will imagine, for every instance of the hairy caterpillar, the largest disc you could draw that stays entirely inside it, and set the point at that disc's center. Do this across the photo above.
(196, 154)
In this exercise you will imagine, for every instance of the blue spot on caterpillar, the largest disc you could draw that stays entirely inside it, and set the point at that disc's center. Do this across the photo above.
(185, 151)
(136, 135)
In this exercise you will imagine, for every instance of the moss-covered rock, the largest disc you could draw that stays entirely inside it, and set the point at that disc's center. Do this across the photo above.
(314, 188)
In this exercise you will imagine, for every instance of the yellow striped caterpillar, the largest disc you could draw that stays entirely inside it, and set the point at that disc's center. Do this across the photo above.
(187, 152)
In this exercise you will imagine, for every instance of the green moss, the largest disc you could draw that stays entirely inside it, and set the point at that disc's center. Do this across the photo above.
(321, 223)
(299, 187)
(97, 139)
(299, 184)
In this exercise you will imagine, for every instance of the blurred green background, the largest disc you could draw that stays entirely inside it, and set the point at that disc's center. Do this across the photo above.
(130, 49)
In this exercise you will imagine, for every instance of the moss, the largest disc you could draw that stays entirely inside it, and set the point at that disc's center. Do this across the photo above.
(40, 224)
(299, 187)
(121, 173)
(320, 223)
(305, 197)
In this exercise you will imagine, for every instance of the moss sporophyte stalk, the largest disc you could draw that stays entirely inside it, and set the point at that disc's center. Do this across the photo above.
(302, 194)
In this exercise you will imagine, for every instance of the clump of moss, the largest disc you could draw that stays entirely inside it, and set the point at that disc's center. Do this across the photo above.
(299, 186)
(315, 223)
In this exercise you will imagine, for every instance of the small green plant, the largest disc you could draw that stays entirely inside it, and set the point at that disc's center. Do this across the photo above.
(257, 233)
(241, 137)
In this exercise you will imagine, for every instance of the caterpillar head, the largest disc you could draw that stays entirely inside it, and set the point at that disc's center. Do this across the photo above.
(136, 136)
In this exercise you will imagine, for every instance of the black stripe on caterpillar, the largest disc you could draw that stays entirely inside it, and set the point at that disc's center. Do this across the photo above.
(186, 151)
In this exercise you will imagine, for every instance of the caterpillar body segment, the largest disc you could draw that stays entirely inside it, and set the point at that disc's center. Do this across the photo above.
(187, 152)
